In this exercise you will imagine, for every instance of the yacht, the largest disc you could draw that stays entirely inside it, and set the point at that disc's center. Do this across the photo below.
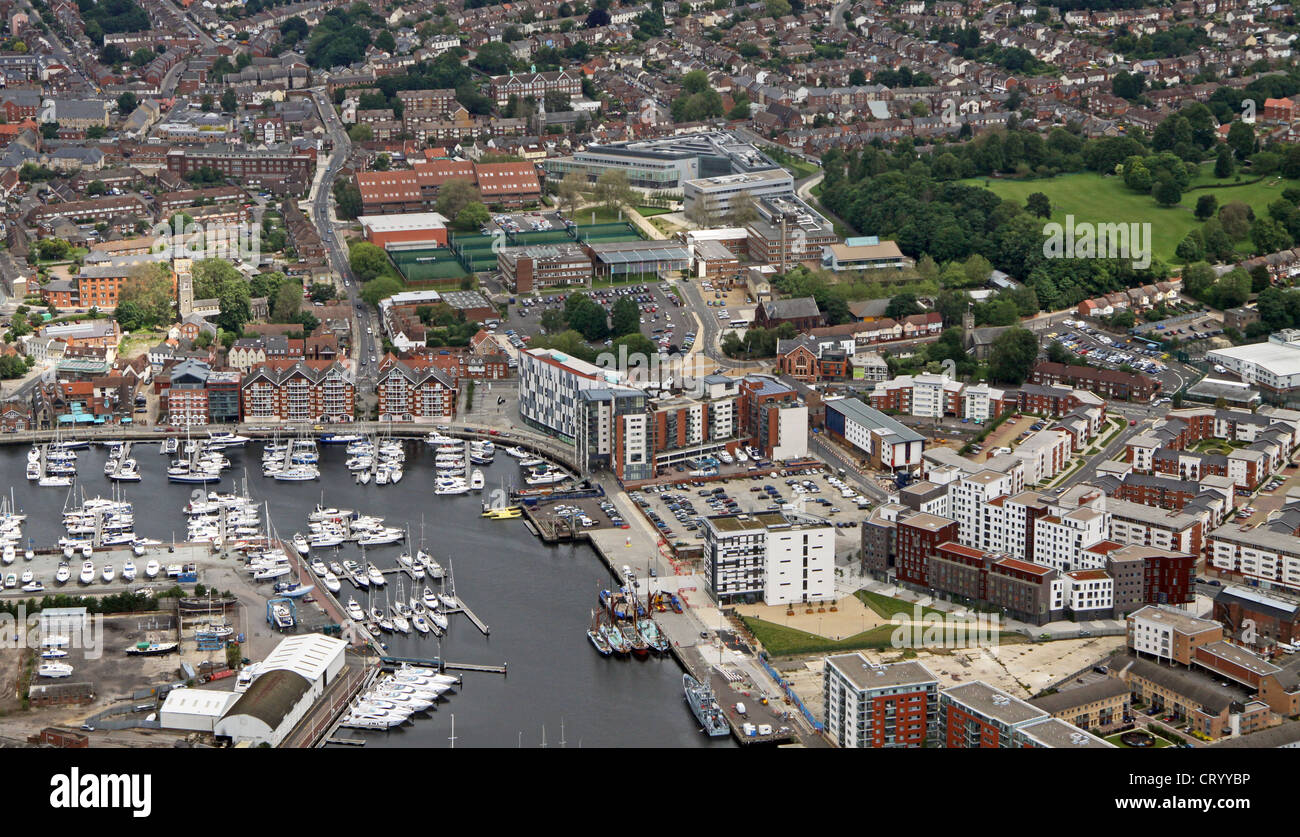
(451, 485)
(549, 477)
(62, 575)
(35, 586)
(128, 571)
(331, 582)
(354, 611)
(531, 462)
(54, 670)
(476, 480)
(301, 544)
(375, 575)
(151, 569)
(87, 572)
(108, 574)
(218, 439)
(169, 446)
(128, 471)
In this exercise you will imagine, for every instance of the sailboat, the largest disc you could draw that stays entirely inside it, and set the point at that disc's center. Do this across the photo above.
(593, 633)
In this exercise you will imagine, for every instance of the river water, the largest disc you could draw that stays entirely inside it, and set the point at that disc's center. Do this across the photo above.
(536, 599)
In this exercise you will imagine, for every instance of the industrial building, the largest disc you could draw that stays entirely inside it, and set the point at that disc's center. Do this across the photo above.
(667, 163)
(409, 230)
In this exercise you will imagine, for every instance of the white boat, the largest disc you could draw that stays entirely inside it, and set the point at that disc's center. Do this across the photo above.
(169, 446)
(517, 452)
(476, 480)
(108, 574)
(26, 577)
(363, 477)
(54, 482)
(33, 587)
(9, 554)
(420, 623)
(270, 572)
(62, 574)
(87, 573)
(318, 566)
(128, 571)
(301, 544)
(54, 670)
(375, 575)
(87, 550)
(331, 582)
(151, 569)
(401, 623)
(531, 462)
(549, 477)
(354, 610)
(450, 485)
(128, 471)
(137, 548)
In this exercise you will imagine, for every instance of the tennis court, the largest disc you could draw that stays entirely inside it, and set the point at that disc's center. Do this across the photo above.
(612, 232)
(425, 264)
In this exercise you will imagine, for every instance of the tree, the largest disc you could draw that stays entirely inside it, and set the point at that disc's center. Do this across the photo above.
(625, 317)
(229, 102)
(743, 209)
(321, 291)
(367, 261)
(1236, 217)
(493, 58)
(287, 303)
(777, 8)
(552, 321)
(1205, 207)
(570, 190)
(1012, 355)
(473, 216)
(903, 305)
(1168, 192)
(586, 317)
(147, 297)
(1241, 139)
(1039, 205)
(455, 195)
(1223, 163)
(218, 279)
(347, 199)
(612, 189)
(385, 41)
(361, 133)
(127, 102)
(1190, 249)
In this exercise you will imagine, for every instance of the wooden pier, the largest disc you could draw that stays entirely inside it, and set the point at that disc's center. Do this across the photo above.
(473, 617)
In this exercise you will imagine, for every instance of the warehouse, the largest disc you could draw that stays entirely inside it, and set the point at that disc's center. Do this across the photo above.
(195, 710)
(412, 229)
(292, 678)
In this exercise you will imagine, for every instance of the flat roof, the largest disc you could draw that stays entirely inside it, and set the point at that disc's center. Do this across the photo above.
(405, 222)
(993, 703)
(1281, 359)
(1055, 733)
(865, 675)
(873, 419)
(1177, 619)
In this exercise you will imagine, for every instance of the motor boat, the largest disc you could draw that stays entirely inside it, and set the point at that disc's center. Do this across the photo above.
(151, 569)
(62, 574)
(375, 575)
(301, 544)
(108, 574)
(54, 670)
(476, 480)
(331, 582)
(354, 610)
(27, 577)
(34, 587)
(128, 571)
(87, 572)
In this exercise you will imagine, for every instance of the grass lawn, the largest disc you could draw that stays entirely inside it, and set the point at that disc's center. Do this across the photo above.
(1159, 742)
(1096, 199)
(781, 641)
(651, 211)
(139, 341)
(888, 606)
(799, 168)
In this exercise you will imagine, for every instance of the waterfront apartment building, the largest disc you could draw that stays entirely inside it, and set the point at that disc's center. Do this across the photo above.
(299, 390)
(878, 706)
(770, 557)
(549, 383)
(979, 716)
(415, 390)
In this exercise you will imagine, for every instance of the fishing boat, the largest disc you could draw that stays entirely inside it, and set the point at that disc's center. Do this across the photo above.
(593, 633)
(617, 642)
(640, 648)
(704, 706)
(653, 636)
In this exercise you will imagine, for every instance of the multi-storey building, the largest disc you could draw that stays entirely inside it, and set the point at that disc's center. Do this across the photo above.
(299, 390)
(917, 538)
(869, 705)
(772, 557)
(414, 389)
(979, 716)
(525, 269)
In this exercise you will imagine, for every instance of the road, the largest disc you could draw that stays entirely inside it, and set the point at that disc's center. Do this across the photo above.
(320, 209)
(837, 15)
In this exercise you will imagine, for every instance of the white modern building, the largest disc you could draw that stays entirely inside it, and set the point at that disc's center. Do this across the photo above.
(549, 383)
(773, 557)
(1273, 366)
(289, 682)
(195, 710)
(1158, 630)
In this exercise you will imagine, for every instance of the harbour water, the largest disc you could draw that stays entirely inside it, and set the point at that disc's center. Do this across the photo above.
(535, 598)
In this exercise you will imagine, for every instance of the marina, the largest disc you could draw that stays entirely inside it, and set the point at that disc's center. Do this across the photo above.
(537, 598)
